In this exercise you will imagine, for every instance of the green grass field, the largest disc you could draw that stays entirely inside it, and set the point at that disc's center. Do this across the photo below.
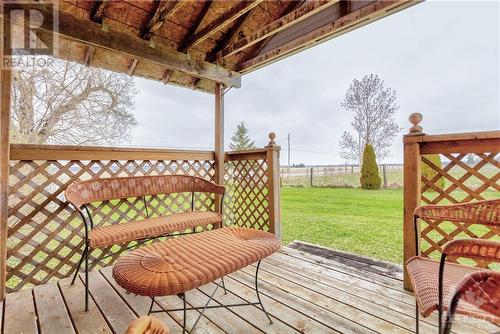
(367, 222)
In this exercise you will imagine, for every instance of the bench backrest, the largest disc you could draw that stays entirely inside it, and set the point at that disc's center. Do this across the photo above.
(105, 189)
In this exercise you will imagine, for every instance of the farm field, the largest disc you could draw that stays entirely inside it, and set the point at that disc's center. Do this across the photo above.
(365, 222)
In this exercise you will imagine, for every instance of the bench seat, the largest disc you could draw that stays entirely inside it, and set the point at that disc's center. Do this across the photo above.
(177, 265)
(117, 234)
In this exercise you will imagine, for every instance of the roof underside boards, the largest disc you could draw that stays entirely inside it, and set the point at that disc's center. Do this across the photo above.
(196, 43)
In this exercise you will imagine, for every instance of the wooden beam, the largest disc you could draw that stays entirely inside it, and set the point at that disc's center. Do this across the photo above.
(132, 67)
(336, 27)
(5, 95)
(219, 139)
(345, 7)
(220, 23)
(284, 22)
(90, 33)
(89, 55)
(97, 13)
(291, 7)
(162, 12)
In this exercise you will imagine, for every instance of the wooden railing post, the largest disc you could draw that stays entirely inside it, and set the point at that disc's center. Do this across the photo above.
(5, 83)
(412, 190)
(273, 179)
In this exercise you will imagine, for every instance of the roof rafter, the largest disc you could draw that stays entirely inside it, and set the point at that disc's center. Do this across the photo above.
(194, 28)
(167, 75)
(337, 26)
(132, 67)
(92, 34)
(219, 23)
(294, 17)
(89, 55)
(229, 36)
(163, 10)
(97, 13)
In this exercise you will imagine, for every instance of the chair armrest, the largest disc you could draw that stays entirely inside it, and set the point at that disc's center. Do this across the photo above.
(481, 212)
(479, 249)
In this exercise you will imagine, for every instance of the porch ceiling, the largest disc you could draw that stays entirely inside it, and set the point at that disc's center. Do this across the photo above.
(196, 43)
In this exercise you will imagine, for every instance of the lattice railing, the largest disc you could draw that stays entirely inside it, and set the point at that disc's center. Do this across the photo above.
(246, 201)
(446, 169)
(45, 235)
(460, 178)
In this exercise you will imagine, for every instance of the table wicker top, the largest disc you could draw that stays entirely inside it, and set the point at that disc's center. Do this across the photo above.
(184, 263)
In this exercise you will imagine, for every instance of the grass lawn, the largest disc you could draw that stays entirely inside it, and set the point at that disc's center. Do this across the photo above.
(366, 222)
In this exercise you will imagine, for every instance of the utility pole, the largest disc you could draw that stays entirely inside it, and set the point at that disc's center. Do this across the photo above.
(288, 140)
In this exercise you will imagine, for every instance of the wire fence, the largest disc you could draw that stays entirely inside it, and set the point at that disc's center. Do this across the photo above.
(338, 176)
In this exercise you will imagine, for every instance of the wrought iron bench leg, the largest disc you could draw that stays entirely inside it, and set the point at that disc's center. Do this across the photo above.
(78, 267)
(417, 318)
(86, 277)
(257, 291)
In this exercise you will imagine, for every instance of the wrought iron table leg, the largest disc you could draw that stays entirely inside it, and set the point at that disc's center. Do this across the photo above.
(184, 314)
(223, 285)
(151, 306)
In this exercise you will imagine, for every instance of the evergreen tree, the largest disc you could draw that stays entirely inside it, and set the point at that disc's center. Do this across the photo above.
(429, 173)
(240, 141)
(370, 178)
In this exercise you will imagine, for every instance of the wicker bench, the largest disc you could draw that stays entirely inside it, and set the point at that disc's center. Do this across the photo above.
(178, 265)
(81, 194)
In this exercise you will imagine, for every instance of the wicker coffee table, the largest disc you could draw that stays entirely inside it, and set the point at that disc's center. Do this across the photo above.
(178, 265)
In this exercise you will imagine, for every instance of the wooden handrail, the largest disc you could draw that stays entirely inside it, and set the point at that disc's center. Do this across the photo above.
(257, 154)
(59, 152)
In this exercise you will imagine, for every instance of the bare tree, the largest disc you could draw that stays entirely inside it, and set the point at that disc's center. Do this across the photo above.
(67, 103)
(373, 107)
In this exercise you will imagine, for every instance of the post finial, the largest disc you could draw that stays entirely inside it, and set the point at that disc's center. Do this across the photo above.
(272, 137)
(415, 119)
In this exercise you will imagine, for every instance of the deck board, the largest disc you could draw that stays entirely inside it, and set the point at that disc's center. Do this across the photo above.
(303, 293)
(90, 322)
(53, 317)
(20, 315)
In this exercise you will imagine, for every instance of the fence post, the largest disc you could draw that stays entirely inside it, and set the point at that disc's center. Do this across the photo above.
(5, 93)
(311, 176)
(274, 196)
(384, 173)
(412, 189)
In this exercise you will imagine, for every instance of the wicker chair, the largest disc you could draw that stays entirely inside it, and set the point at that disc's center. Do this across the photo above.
(481, 289)
(435, 283)
(147, 325)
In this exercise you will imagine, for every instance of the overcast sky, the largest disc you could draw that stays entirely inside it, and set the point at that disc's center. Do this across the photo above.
(442, 58)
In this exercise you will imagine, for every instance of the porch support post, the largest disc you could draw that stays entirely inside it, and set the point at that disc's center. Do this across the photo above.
(412, 191)
(273, 180)
(5, 83)
(219, 139)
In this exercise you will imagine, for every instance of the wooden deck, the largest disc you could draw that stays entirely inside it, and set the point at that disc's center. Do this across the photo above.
(304, 292)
